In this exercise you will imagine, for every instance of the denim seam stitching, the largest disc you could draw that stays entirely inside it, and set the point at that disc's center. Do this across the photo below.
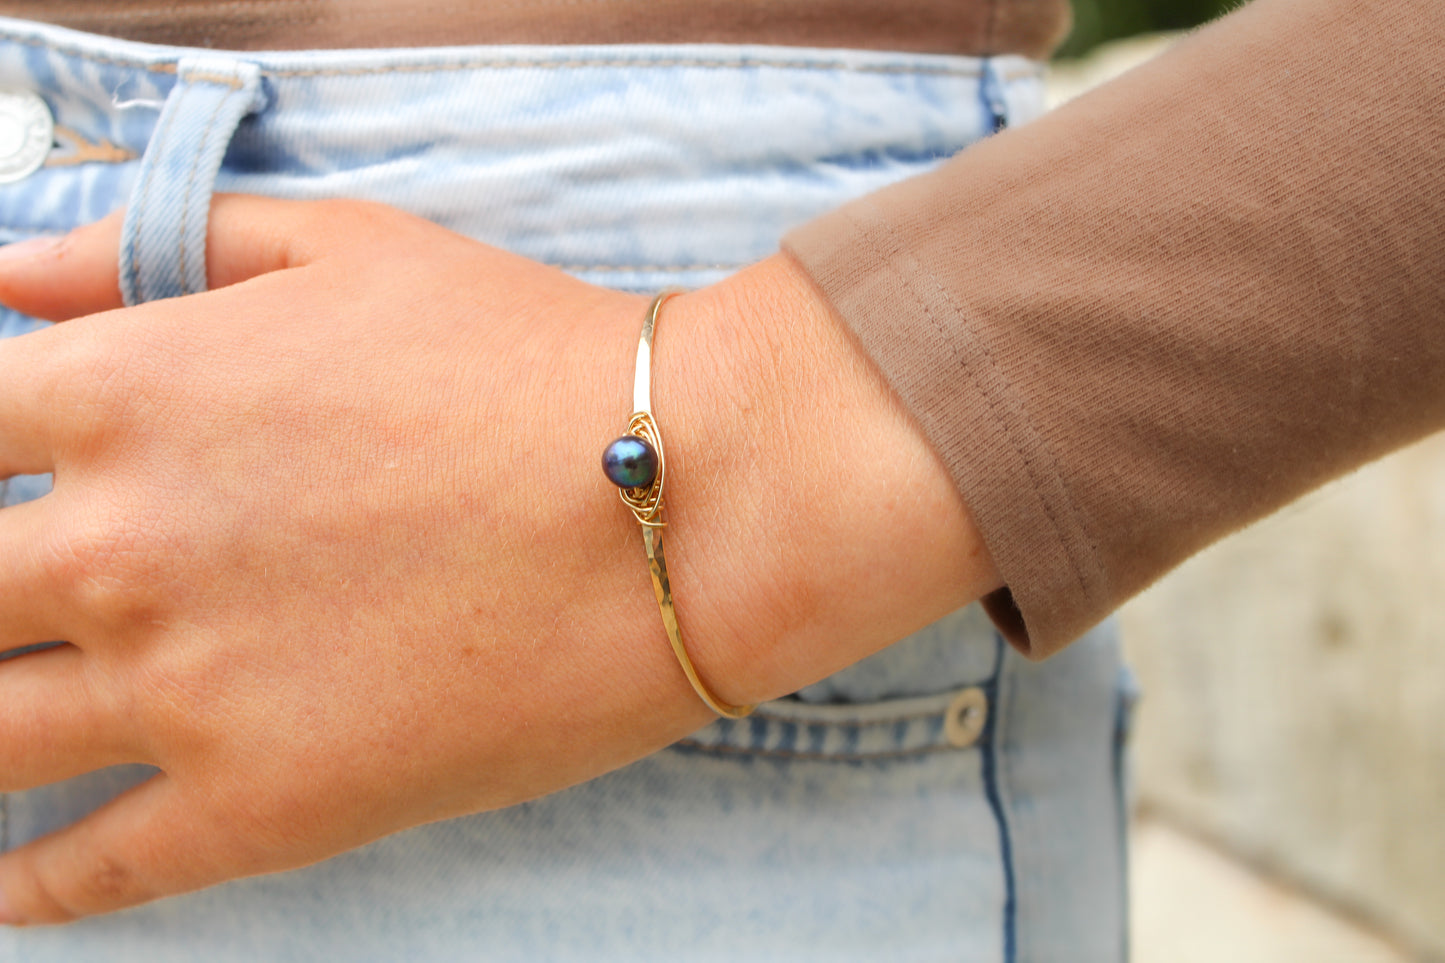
(833, 66)
(817, 756)
(892, 720)
(206, 77)
(991, 741)
(189, 197)
(1003, 762)
(81, 148)
(78, 53)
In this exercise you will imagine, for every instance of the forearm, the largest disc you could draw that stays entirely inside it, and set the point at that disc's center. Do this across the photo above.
(1141, 322)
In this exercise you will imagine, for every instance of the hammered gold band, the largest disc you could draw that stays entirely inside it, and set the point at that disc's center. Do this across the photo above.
(645, 503)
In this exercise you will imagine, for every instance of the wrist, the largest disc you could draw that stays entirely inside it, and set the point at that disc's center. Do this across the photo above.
(810, 521)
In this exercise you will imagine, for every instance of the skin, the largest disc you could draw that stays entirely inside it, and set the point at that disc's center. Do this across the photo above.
(332, 547)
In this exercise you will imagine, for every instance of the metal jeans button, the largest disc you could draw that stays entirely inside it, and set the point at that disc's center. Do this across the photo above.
(965, 717)
(27, 132)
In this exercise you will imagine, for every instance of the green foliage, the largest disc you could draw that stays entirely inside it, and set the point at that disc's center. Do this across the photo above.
(1098, 21)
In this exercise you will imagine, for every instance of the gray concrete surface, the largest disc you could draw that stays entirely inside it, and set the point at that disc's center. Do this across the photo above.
(1192, 904)
(1295, 679)
(1294, 706)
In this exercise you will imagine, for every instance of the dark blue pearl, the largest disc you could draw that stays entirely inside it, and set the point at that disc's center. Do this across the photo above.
(630, 462)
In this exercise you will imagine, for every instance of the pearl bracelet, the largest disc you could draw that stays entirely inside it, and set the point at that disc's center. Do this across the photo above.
(636, 465)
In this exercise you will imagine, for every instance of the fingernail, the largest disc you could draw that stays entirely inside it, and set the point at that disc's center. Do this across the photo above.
(19, 250)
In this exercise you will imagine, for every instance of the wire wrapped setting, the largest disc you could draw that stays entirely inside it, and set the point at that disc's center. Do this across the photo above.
(646, 503)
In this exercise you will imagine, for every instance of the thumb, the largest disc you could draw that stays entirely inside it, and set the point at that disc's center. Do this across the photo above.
(75, 274)
(150, 842)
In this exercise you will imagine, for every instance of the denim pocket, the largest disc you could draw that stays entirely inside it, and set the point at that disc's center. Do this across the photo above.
(852, 732)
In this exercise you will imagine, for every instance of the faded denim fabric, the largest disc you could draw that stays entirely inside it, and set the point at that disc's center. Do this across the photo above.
(943, 800)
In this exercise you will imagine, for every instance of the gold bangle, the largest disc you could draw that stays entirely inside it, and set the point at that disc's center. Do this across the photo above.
(636, 465)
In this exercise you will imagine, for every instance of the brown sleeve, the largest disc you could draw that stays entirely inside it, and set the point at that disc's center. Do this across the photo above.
(1172, 306)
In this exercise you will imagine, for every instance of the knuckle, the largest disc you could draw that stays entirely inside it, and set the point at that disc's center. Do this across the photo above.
(60, 374)
(90, 380)
(104, 566)
(84, 551)
(83, 361)
(105, 881)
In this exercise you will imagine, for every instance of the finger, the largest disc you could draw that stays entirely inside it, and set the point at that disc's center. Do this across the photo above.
(251, 235)
(152, 841)
(58, 278)
(35, 603)
(34, 397)
(55, 722)
(77, 274)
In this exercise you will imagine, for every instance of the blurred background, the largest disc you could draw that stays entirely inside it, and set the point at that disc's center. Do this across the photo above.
(1290, 745)
(1099, 21)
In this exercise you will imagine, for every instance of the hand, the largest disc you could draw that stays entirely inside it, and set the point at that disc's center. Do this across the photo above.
(332, 548)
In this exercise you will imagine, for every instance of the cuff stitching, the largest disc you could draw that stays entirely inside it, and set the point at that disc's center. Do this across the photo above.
(993, 402)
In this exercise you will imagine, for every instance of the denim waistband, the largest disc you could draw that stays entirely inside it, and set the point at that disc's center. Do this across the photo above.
(670, 164)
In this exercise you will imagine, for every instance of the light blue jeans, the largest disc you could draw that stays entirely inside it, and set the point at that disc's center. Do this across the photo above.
(944, 800)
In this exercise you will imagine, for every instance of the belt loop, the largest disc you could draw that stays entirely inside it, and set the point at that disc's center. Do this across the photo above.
(163, 240)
